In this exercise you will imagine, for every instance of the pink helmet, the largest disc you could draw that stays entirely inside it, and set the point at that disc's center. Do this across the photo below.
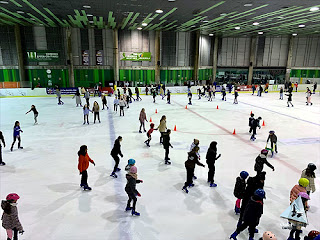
(13, 196)
(269, 236)
(133, 169)
(304, 195)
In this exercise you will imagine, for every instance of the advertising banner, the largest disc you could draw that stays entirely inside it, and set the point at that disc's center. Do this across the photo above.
(70, 91)
(85, 57)
(43, 56)
(99, 57)
(135, 56)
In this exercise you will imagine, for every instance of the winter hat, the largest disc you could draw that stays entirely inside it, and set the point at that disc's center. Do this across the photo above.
(131, 161)
(269, 236)
(260, 193)
(133, 169)
(12, 196)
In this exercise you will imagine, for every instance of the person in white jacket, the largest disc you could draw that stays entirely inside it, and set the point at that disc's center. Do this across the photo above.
(122, 104)
(309, 174)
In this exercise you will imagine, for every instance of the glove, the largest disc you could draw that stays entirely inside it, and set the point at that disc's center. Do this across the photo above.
(273, 169)
(138, 194)
(141, 181)
(121, 155)
(94, 164)
(21, 232)
(171, 146)
(219, 155)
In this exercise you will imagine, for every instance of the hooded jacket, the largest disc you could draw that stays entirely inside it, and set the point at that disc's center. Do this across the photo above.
(239, 188)
(253, 211)
(131, 185)
(212, 154)
(192, 160)
(10, 219)
(311, 186)
(116, 148)
(260, 161)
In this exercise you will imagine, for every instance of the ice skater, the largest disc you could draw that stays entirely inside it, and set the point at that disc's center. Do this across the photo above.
(300, 187)
(83, 165)
(190, 166)
(315, 87)
(95, 110)
(130, 95)
(4, 145)
(10, 218)
(138, 94)
(122, 104)
(132, 180)
(239, 190)
(126, 99)
(236, 94)
(162, 127)
(309, 93)
(195, 143)
(211, 160)
(16, 135)
(115, 104)
(260, 90)
(166, 145)
(273, 139)
(309, 174)
(261, 159)
(252, 214)
(189, 96)
(289, 99)
(104, 101)
(223, 93)
(147, 142)
(35, 113)
(86, 111)
(168, 97)
(116, 150)
(142, 118)
(253, 89)
(78, 98)
(210, 94)
(255, 124)
(87, 97)
(154, 94)
(58, 93)
(147, 90)
(281, 93)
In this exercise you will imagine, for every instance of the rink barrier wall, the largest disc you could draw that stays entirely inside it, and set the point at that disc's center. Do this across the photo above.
(42, 92)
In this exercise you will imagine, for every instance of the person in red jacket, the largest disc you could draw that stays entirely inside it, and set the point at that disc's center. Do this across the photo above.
(83, 165)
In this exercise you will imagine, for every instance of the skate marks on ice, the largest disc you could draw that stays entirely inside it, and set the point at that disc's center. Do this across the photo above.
(300, 141)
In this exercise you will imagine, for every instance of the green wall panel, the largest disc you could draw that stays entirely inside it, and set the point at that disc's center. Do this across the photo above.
(89, 77)
(175, 76)
(305, 73)
(205, 74)
(144, 76)
(9, 75)
(58, 77)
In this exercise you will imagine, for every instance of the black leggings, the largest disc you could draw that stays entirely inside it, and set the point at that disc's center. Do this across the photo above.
(96, 114)
(142, 125)
(115, 107)
(211, 172)
(134, 198)
(87, 99)
(117, 160)
(14, 140)
(86, 116)
(121, 110)
(84, 178)
(244, 225)
(1, 153)
(190, 174)
(166, 153)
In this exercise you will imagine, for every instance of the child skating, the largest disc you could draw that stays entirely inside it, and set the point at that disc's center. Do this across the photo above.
(289, 99)
(273, 139)
(95, 110)
(4, 145)
(115, 104)
(223, 93)
(261, 160)
(83, 165)
(87, 97)
(104, 101)
(35, 113)
(189, 96)
(132, 180)
(168, 97)
(239, 190)
(255, 124)
(58, 93)
(154, 94)
(16, 135)
(236, 94)
(122, 104)
(166, 145)
(251, 119)
(10, 218)
(309, 94)
(149, 134)
(116, 150)
(281, 93)
(86, 111)
(211, 160)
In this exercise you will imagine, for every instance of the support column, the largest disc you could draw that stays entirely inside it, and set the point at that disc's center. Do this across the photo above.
(196, 57)
(157, 57)
(289, 60)
(115, 56)
(70, 58)
(20, 55)
(215, 58)
(252, 58)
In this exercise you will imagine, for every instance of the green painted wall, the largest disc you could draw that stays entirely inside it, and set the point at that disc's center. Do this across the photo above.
(305, 73)
(145, 76)
(89, 77)
(175, 76)
(57, 76)
(9, 75)
(205, 74)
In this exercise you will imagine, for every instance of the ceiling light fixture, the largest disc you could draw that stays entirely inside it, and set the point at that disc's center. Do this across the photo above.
(89, 15)
(20, 12)
(171, 0)
(144, 24)
(206, 21)
(237, 28)
(223, 14)
(248, 5)
(313, 9)
(294, 34)
(260, 33)
(211, 34)
(86, 6)
(90, 21)
(255, 23)
(4, 2)
(159, 11)
(139, 28)
(301, 25)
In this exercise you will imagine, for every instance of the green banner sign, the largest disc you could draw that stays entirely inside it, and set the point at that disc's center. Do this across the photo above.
(43, 56)
(135, 56)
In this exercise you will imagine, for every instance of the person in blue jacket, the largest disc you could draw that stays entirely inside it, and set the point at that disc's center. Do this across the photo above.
(16, 135)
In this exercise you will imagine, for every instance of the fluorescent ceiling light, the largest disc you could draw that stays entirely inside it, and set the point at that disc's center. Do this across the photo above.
(313, 9)
(171, 0)
(90, 21)
(294, 34)
(280, 17)
(248, 5)
(86, 6)
(159, 11)
(206, 21)
(302, 25)
(4, 2)
(237, 28)
(260, 33)
(20, 12)
(255, 23)
(89, 15)
(144, 24)
(139, 28)
(222, 14)
(211, 34)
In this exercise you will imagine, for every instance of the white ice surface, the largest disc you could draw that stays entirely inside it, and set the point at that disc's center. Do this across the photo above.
(45, 174)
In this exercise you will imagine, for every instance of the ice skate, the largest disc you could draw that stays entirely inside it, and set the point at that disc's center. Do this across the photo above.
(86, 187)
(140, 131)
(236, 210)
(194, 178)
(113, 175)
(191, 185)
(128, 209)
(118, 169)
(2, 163)
(185, 189)
(167, 162)
(82, 185)
(213, 185)
(20, 147)
(234, 236)
(135, 213)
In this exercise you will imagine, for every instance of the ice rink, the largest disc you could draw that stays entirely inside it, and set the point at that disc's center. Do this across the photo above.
(53, 206)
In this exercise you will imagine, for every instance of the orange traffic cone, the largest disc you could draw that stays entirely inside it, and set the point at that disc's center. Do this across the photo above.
(175, 128)
(150, 119)
(234, 132)
(156, 111)
(251, 113)
(217, 107)
(186, 107)
(263, 125)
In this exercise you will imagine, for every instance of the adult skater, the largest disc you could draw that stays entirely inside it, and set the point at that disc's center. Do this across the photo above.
(261, 159)
(239, 190)
(168, 97)
(255, 124)
(116, 150)
(132, 180)
(130, 95)
(154, 94)
(138, 94)
(210, 94)
(289, 99)
(273, 139)
(253, 89)
(149, 134)
(142, 118)
(104, 101)
(35, 113)
(147, 90)
(223, 93)
(190, 96)
(87, 97)
(127, 99)
(309, 96)
(296, 86)
(162, 93)
(211, 160)
(252, 214)
(122, 104)
(115, 103)
(309, 174)
(58, 93)
(214, 91)
(86, 111)
(251, 119)
(10, 218)
(96, 110)
(281, 93)
(315, 87)
(83, 165)
(4, 145)
(236, 94)
(162, 127)
(260, 90)
(190, 166)
(166, 145)
(78, 98)
(16, 135)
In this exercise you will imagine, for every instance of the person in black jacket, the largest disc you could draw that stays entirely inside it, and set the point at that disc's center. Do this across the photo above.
(130, 95)
(289, 99)
(261, 160)
(252, 214)
(239, 190)
(190, 165)
(116, 150)
(132, 179)
(211, 159)
(251, 119)
(104, 101)
(273, 139)
(236, 94)
(255, 124)
(166, 144)
(4, 145)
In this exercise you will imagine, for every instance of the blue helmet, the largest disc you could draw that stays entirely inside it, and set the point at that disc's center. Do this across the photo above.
(260, 193)
(244, 174)
(131, 161)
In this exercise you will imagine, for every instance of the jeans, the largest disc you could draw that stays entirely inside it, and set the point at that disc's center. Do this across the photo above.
(142, 125)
